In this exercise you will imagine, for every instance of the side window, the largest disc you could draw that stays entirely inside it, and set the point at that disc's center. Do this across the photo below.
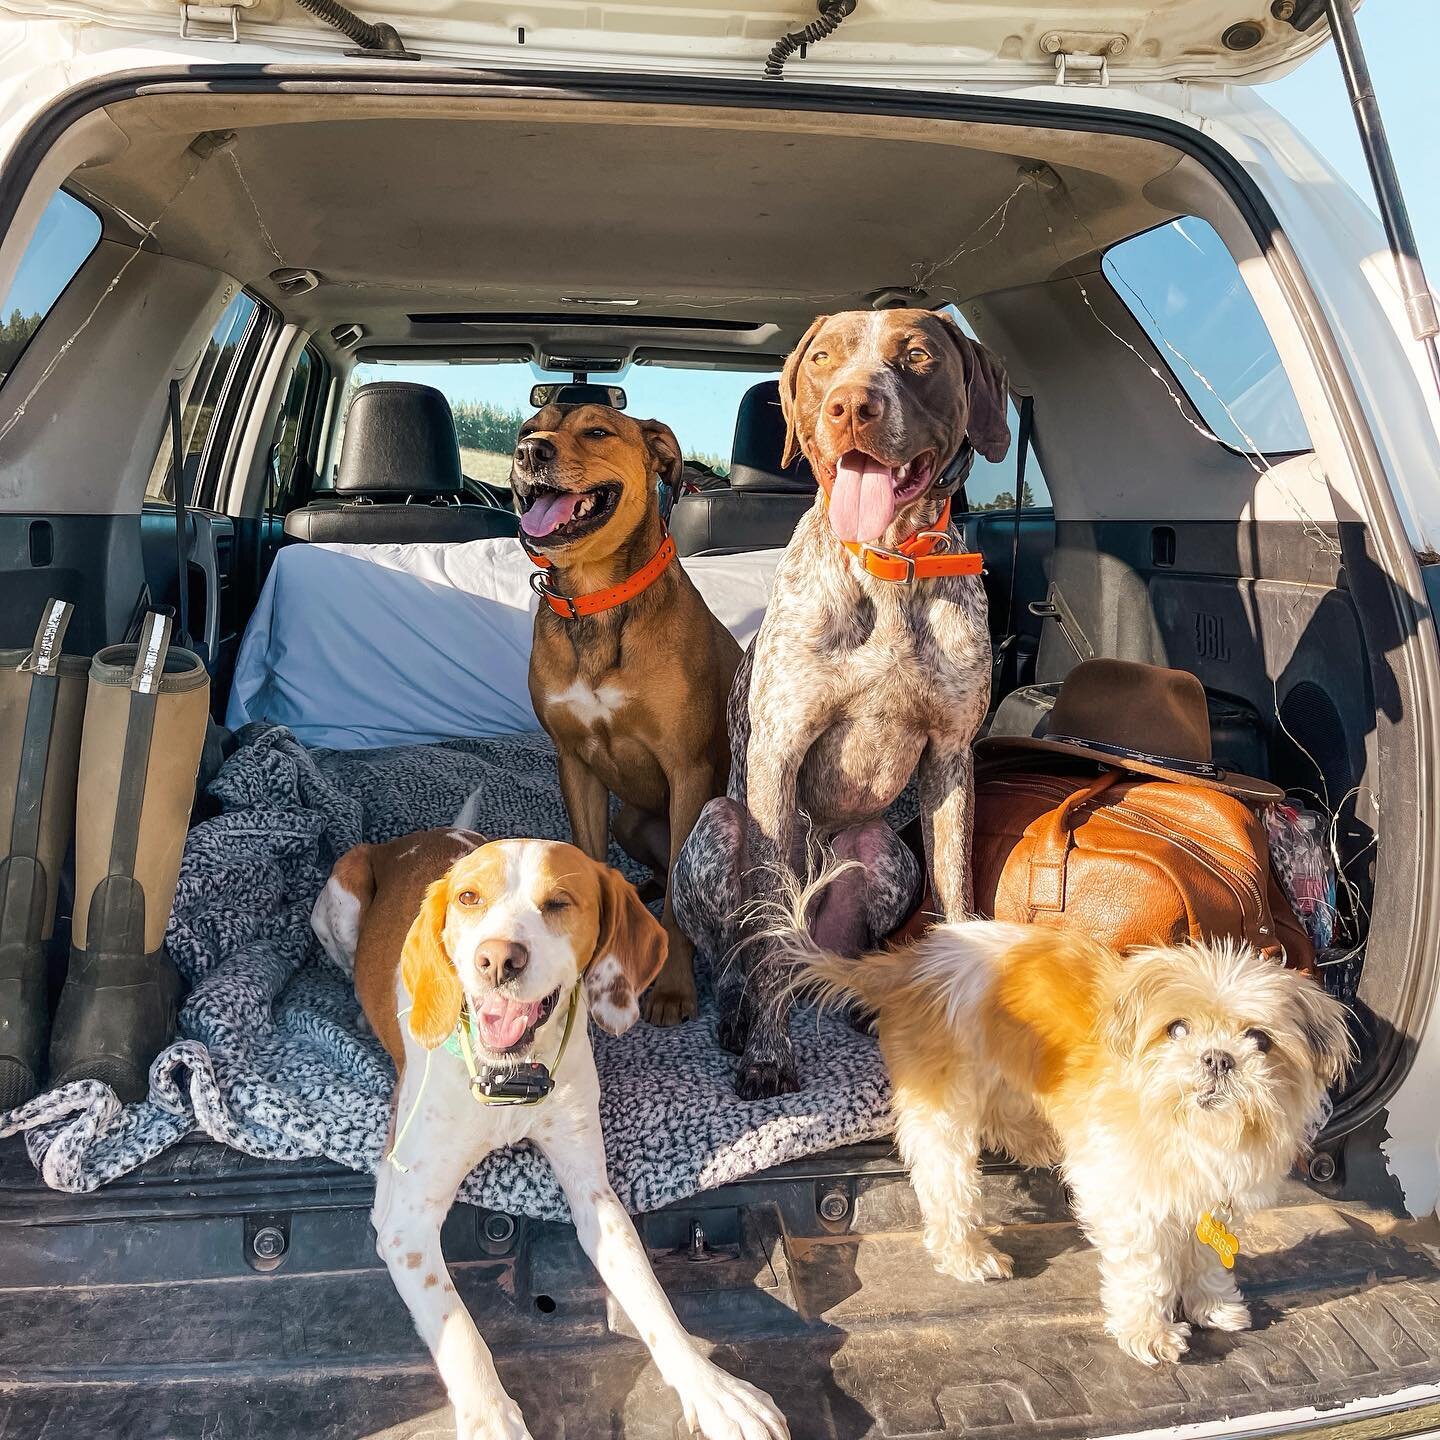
(292, 447)
(1186, 292)
(67, 234)
(206, 394)
(991, 486)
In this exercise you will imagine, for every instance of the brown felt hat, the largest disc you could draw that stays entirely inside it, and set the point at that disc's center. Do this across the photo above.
(1135, 717)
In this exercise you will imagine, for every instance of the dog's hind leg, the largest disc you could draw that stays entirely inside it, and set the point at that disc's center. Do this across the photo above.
(938, 1121)
(706, 895)
(1208, 1292)
(859, 909)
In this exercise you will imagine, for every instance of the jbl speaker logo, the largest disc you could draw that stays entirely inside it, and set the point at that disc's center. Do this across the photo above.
(1210, 636)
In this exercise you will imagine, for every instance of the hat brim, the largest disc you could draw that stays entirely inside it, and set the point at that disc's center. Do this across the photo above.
(1231, 782)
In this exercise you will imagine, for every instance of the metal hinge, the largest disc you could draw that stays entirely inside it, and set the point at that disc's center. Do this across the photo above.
(212, 22)
(1092, 71)
(1082, 58)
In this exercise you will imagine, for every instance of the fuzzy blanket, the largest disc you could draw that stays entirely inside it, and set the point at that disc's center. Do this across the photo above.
(272, 1060)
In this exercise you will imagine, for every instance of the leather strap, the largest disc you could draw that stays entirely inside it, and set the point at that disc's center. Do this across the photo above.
(576, 607)
(145, 678)
(1053, 838)
(43, 662)
(922, 556)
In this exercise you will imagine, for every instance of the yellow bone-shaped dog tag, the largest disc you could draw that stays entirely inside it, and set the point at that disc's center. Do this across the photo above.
(1211, 1232)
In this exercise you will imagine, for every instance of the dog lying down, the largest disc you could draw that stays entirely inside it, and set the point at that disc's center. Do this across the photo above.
(1174, 1087)
(476, 965)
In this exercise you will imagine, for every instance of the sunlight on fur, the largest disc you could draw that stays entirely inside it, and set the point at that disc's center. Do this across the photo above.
(1166, 1083)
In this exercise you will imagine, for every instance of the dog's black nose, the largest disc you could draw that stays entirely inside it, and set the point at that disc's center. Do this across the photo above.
(533, 452)
(1218, 1062)
(498, 960)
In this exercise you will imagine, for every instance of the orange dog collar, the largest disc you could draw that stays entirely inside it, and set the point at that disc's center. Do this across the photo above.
(922, 556)
(576, 607)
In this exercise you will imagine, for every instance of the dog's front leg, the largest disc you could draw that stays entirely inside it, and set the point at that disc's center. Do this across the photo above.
(1140, 1270)
(767, 1066)
(672, 998)
(587, 803)
(410, 1208)
(1208, 1293)
(947, 809)
(716, 1404)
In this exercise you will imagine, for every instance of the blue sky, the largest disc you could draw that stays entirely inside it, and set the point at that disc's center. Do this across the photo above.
(701, 405)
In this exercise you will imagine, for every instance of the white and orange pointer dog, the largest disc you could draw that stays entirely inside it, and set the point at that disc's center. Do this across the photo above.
(442, 930)
(1173, 1086)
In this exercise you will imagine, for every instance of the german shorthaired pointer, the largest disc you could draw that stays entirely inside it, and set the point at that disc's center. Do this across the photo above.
(872, 664)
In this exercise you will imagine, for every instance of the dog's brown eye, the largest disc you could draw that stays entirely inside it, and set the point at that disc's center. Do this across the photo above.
(819, 357)
(596, 433)
(918, 356)
(1177, 1029)
(557, 902)
(467, 897)
(1261, 1039)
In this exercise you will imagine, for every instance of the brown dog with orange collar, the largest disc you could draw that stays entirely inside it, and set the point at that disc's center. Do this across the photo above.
(629, 671)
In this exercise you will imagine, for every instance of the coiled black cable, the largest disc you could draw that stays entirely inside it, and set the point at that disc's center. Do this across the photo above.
(832, 15)
(349, 24)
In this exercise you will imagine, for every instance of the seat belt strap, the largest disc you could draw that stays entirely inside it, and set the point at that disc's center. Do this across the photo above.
(1022, 454)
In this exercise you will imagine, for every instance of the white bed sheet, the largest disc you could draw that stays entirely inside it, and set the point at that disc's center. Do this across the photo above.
(357, 646)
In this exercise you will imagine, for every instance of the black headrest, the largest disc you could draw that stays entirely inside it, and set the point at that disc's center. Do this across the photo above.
(759, 444)
(400, 440)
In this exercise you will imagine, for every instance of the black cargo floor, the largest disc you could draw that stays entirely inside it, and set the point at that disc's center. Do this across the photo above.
(147, 1311)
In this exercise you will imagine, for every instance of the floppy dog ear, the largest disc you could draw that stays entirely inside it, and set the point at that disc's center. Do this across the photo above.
(987, 394)
(669, 461)
(435, 994)
(789, 387)
(1321, 1021)
(1134, 979)
(629, 952)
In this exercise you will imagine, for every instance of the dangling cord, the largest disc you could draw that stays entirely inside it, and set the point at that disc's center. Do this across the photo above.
(832, 15)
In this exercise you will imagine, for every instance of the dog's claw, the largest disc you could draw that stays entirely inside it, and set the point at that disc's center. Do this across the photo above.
(666, 1005)
(765, 1079)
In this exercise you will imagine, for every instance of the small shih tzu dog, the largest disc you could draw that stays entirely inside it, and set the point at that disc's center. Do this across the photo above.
(1174, 1087)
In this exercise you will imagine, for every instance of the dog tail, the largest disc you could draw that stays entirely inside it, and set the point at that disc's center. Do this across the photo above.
(937, 978)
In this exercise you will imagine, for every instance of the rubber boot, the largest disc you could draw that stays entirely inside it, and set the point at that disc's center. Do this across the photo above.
(42, 700)
(145, 719)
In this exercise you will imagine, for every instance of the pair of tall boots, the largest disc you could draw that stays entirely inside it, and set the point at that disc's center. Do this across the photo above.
(106, 749)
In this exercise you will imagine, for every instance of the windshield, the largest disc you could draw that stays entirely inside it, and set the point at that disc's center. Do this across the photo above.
(490, 402)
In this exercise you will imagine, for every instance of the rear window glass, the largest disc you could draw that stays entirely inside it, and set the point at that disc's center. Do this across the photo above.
(67, 233)
(1185, 290)
(204, 395)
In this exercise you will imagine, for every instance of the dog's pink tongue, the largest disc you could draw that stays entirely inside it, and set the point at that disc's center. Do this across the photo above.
(862, 500)
(503, 1021)
(548, 512)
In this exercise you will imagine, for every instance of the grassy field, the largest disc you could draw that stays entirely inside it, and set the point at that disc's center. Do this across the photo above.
(483, 465)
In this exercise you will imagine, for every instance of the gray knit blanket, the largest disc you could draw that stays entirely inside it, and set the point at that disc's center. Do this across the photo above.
(272, 1058)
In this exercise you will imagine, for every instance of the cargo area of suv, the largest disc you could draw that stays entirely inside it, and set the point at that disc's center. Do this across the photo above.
(1198, 494)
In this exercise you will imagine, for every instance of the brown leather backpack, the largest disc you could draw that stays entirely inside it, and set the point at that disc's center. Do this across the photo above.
(1130, 860)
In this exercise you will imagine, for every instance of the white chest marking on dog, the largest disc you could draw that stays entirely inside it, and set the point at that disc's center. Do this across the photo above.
(591, 707)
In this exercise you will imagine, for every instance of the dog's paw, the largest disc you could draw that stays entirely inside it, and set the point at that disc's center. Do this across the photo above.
(1161, 1342)
(1219, 1314)
(670, 1002)
(498, 1420)
(720, 1407)
(978, 1260)
(765, 1079)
